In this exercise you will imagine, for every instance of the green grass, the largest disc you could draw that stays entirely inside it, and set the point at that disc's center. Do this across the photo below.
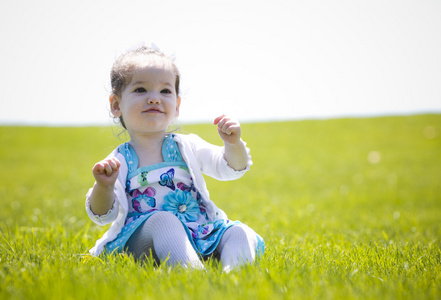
(336, 225)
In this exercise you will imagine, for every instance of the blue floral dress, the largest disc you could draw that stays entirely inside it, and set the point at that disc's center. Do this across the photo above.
(167, 186)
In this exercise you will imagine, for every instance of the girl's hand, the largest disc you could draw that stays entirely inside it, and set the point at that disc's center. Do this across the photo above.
(229, 129)
(235, 152)
(106, 171)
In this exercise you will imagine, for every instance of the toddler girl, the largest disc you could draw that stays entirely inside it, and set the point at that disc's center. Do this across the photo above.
(151, 189)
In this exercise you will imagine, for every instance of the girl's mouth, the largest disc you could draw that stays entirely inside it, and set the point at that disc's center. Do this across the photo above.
(153, 110)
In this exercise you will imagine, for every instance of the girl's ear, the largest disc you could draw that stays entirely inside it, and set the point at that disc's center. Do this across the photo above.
(114, 105)
(178, 104)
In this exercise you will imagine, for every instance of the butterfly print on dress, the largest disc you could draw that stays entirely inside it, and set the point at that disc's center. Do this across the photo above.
(167, 179)
(143, 201)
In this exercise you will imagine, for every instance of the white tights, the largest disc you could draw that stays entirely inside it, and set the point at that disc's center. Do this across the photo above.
(164, 236)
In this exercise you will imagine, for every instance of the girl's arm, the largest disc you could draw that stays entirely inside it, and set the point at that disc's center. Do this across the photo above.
(235, 150)
(102, 196)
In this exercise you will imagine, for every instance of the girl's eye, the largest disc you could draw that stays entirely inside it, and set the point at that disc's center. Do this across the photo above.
(166, 91)
(140, 90)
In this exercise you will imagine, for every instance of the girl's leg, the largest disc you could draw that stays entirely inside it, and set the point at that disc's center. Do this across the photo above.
(237, 247)
(164, 235)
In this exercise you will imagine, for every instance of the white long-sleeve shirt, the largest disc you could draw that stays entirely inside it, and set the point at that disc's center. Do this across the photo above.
(200, 156)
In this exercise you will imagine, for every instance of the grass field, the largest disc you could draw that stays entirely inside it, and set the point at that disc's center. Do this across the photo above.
(349, 209)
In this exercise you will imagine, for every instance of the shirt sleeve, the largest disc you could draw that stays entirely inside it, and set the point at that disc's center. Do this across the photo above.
(107, 218)
(212, 160)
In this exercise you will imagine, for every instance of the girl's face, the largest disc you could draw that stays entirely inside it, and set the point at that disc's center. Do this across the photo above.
(148, 104)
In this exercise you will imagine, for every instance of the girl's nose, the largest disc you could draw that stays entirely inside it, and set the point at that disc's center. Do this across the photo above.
(153, 100)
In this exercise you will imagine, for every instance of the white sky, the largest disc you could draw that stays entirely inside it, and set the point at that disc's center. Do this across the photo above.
(253, 59)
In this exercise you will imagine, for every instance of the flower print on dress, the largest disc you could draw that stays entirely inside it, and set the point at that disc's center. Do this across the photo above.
(182, 205)
(142, 179)
(143, 201)
(167, 179)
